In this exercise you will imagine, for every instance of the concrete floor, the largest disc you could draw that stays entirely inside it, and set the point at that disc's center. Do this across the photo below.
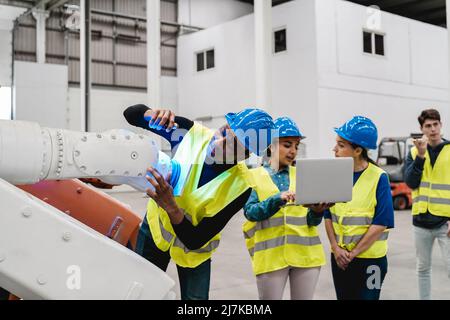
(232, 277)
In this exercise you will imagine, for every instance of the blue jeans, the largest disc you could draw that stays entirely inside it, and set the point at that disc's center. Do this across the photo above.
(194, 282)
(362, 280)
(424, 239)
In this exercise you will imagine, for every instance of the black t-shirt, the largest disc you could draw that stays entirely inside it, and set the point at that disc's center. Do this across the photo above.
(193, 237)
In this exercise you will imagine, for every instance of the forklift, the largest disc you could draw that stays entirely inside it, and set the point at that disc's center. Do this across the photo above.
(392, 154)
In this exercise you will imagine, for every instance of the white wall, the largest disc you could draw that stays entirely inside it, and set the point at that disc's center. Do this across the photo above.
(40, 93)
(5, 73)
(208, 13)
(295, 79)
(7, 15)
(5, 58)
(395, 116)
(392, 90)
(227, 87)
(230, 86)
(324, 78)
(107, 105)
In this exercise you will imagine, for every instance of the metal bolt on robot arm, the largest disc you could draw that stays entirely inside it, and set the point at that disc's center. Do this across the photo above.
(45, 254)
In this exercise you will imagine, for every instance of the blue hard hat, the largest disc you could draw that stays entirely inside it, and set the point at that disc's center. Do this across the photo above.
(359, 130)
(253, 128)
(286, 127)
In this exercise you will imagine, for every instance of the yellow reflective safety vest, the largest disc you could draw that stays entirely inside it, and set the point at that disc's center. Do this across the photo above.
(433, 194)
(197, 203)
(351, 220)
(285, 239)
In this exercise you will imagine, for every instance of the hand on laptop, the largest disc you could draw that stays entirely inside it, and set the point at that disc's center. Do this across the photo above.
(288, 196)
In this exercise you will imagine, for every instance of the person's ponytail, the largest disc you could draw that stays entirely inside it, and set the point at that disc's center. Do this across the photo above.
(364, 154)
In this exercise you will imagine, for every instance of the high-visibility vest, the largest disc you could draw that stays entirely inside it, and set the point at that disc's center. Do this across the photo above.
(351, 220)
(433, 194)
(197, 203)
(285, 239)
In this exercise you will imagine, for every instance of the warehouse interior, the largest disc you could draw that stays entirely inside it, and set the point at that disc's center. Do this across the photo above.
(77, 65)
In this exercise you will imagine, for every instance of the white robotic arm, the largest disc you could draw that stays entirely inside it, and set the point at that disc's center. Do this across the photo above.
(30, 153)
(38, 243)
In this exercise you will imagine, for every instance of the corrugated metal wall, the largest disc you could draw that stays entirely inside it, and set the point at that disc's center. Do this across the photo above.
(118, 44)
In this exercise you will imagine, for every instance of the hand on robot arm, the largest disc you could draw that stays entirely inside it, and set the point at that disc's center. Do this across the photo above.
(161, 118)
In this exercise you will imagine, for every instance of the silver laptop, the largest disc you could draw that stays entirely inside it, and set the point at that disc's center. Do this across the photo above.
(324, 180)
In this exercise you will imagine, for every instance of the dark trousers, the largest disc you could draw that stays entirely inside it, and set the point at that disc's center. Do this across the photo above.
(362, 280)
(194, 282)
(4, 295)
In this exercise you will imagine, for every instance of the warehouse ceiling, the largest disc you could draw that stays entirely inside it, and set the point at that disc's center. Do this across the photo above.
(430, 11)
(38, 4)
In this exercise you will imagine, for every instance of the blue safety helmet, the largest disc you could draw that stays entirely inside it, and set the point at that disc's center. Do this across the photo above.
(253, 128)
(286, 127)
(361, 131)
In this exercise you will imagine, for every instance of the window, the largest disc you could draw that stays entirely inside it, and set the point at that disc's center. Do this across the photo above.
(205, 60)
(379, 44)
(200, 61)
(5, 103)
(279, 37)
(373, 43)
(209, 59)
(367, 42)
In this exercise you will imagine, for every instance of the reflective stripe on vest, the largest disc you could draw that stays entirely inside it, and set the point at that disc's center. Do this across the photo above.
(281, 241)
(433, 193)
(211, 246)
(285, 239)
(348, 240)
(197, 203)
(165, 233)
(275, 222)
(352, 220)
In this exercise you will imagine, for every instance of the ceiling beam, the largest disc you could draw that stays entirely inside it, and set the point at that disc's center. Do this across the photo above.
(274, 2)
(432, 14)
(41, 4)
(419, 5)
(16, 3)
(57, 4)
(430, 11)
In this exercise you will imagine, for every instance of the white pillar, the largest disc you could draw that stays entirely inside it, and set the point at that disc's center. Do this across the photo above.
(40, 16)
(263, 53)
(85, 60)
(153, 53)
(446, 125)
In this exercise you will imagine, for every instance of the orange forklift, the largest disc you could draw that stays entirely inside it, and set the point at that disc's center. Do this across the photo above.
(392, 154)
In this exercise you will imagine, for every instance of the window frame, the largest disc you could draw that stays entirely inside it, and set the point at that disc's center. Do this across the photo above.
(205, 60)
(372, 39)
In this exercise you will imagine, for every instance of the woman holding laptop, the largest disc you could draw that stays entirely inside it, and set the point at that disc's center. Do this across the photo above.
(283, 241)
(358, 230)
